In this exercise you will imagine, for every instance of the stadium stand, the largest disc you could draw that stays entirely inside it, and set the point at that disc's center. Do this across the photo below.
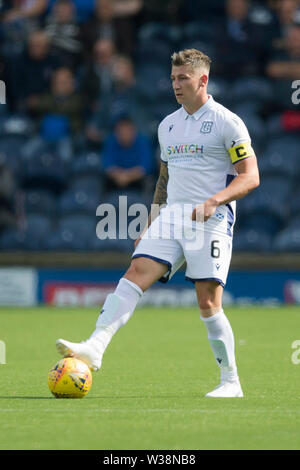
(72, 67)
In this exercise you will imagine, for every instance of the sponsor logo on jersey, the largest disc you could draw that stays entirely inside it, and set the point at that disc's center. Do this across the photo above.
(181, 149)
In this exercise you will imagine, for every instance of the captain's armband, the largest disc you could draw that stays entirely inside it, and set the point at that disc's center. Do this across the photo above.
(240, 151)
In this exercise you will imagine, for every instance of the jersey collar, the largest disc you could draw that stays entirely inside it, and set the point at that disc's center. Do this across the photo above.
(205, 107)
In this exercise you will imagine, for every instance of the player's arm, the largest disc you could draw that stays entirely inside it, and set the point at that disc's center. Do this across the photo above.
(159, 198)
(246, 180)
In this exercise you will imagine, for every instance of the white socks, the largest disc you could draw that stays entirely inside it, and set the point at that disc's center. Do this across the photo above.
(221, 339)
(117, 309)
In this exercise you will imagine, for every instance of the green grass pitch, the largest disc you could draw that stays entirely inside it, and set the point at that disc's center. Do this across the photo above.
(150, 391)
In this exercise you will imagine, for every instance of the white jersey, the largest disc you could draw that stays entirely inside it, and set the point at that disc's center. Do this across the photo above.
(201, 150)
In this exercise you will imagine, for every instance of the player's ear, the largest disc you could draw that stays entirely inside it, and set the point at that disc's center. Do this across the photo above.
(204, 79)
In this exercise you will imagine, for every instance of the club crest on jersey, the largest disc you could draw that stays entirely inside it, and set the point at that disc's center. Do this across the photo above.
(206, 127)
(171, 127)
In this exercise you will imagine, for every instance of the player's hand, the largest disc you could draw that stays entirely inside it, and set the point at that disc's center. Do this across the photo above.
(203, 212)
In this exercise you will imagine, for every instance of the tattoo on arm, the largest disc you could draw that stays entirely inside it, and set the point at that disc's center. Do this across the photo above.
(160, 193)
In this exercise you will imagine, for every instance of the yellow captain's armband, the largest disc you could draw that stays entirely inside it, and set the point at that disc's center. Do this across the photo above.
(241, 151)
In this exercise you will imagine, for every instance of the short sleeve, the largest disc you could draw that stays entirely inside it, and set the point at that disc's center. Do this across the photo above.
(237, 139)
(163, 155)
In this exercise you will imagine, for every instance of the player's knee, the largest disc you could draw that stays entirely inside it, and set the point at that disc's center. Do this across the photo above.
(208, 307)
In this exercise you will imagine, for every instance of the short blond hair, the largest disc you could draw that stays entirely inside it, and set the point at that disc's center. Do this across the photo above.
(193, 58)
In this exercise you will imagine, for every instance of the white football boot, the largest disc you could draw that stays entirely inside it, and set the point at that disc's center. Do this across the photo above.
(87, 351)
(226, 390)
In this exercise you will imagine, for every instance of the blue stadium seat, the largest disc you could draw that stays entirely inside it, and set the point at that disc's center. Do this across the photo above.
(273, 195)
(38, 225)
(40, 202)
(266, 221)
(78, 201)
(252, 88)
(83, 224)
(295, 203)
(90, 183)
(45, 171)
(195, 30)
(288, 240)
(153, 52)
(147, 75)
(252, 240)
(31, 238)
(11, 153)
(281, 157)
(16, 125)
(218, 88)
(87, 163)
(16, 240)
(72, 233)
(123, 246)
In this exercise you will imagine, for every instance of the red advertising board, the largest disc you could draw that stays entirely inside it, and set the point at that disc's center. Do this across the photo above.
(75, 293)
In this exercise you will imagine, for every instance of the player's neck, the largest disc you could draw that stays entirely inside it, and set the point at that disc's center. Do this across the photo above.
(191, 108)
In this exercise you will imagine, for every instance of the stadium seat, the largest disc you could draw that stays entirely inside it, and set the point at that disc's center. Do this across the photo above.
(218, 88)
(288, 240)
(38, 225)
(16, 125)
(123, 246)
(31, 238)
(148, 74)
(90, 183)
(84, 224)
(252, 240)
(196, 30)
(40, 202)
(11, 153)
(281, 156)
(265, 221)
(295, 203)
(16, 240)
(153, 52)
(78, 201)
(252, 88)
(271, 196)
(45, 171)
(87, 163)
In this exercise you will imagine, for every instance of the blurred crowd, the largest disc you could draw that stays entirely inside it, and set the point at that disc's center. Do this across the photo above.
(87, 83)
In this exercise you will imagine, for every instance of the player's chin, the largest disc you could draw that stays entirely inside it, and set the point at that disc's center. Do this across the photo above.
(179, 98)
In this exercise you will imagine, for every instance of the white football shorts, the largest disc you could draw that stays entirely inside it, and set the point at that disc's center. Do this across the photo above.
(207, 254)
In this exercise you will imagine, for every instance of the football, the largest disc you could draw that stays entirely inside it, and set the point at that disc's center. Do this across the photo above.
(70, 378)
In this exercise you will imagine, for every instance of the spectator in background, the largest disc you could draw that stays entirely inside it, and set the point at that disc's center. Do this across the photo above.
(242, 42)
(64, 33)
(284, 67)
(96, 77)
(100, 26)
(127, 19)
(124, 99)
(31, 74)
(285, 64)
(127, 157)
(60, 114)
(62, 100)
(25, 10)
(84, 9)
(287, 13)
(8, 190)
(19, 18)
